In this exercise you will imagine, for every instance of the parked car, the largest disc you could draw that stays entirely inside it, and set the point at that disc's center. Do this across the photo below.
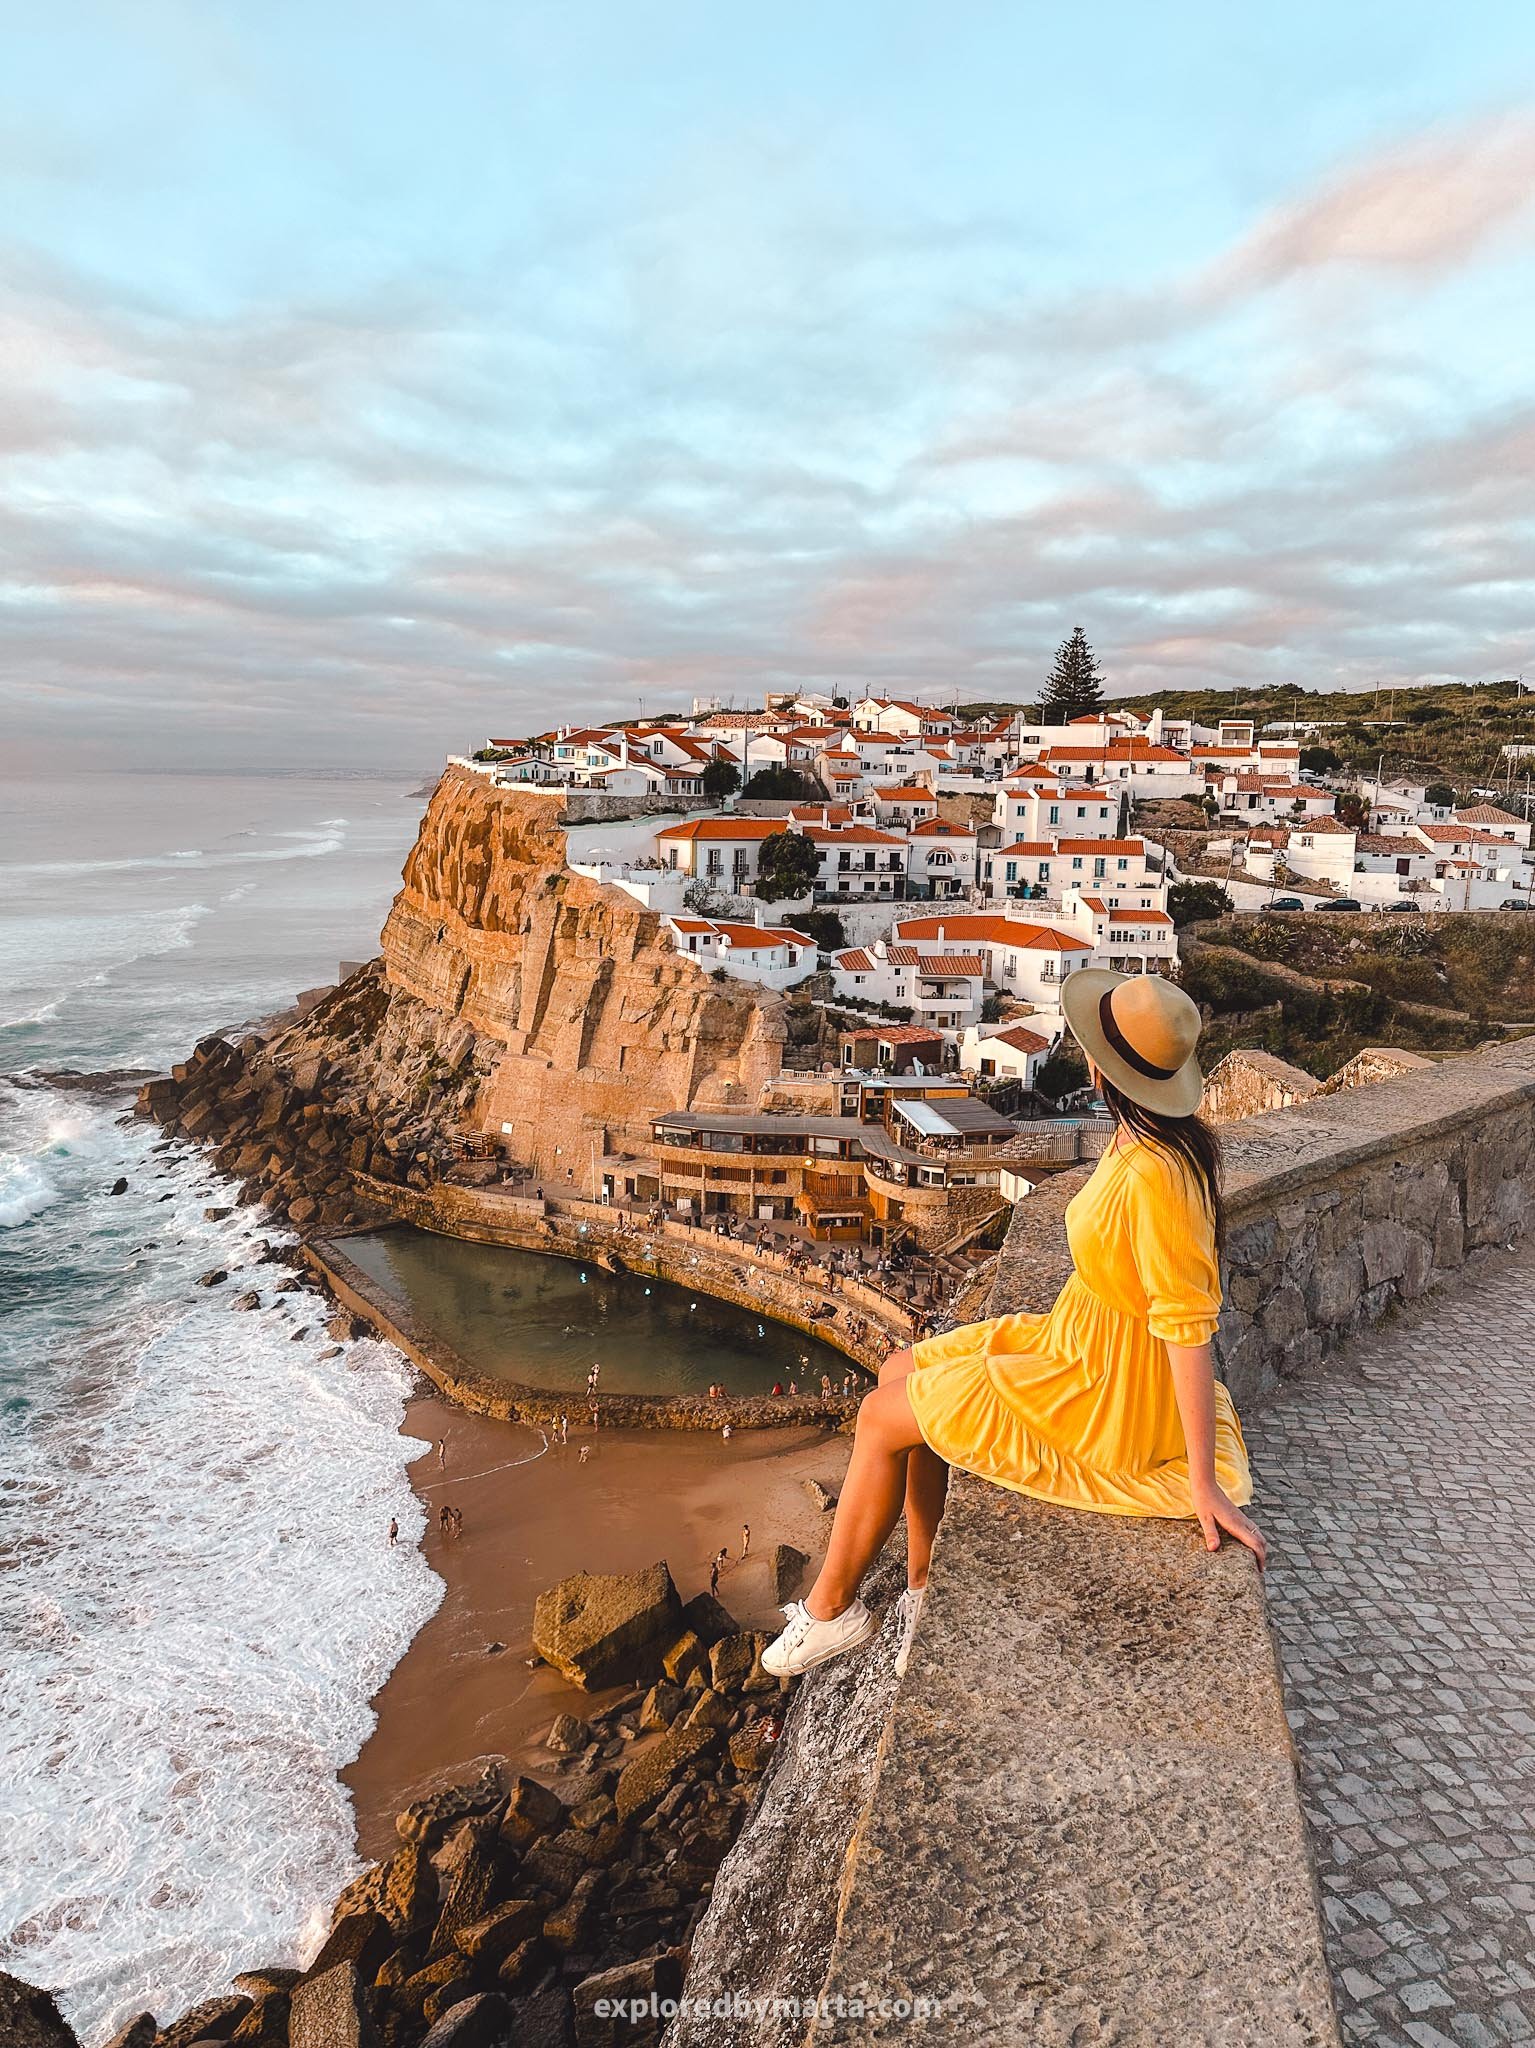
(1514, 903)
(1287, 903)
(1400, 905)
(1344, 903)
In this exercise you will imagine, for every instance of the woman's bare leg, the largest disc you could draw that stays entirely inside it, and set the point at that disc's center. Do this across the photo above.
(872, 1494)
(927, 1485)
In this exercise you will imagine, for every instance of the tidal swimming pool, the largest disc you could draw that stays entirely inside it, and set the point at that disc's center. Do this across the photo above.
(539, 1321)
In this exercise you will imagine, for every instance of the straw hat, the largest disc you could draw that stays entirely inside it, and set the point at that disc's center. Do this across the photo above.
(1140, 1033)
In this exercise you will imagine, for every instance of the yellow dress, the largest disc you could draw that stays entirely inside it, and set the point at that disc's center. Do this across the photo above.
(1077, 1406)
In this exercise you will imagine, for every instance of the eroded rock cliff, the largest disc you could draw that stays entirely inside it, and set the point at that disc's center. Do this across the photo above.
(512, 997)
(590, 1021)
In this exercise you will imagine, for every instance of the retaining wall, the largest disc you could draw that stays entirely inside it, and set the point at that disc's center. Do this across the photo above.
(1083, 1825)
(763, 1283)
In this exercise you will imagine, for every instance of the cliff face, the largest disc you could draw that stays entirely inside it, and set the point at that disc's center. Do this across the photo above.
(513, 997)
(585, 1020)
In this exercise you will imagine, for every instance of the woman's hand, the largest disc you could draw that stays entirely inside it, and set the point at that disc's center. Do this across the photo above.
(1217, 1512)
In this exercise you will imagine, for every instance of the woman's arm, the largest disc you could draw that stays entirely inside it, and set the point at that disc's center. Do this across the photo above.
(1194, 1386)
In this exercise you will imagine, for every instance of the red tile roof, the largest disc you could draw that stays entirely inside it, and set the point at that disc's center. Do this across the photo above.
(1019, 1038)
(936, 963)
(856, 962)
(992, 930)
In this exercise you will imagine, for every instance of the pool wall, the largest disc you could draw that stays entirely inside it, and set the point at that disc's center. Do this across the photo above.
(467, 1387)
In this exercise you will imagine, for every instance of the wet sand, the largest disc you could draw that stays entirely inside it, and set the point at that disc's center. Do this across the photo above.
(531, 1517)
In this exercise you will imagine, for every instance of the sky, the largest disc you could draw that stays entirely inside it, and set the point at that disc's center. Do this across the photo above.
(374, 378)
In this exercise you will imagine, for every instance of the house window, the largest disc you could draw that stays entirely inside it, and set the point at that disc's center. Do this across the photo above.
(1012, 871)
(1055, 814)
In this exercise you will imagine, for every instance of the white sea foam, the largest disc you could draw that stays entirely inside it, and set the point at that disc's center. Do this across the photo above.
(329, 836)
(200, 1599)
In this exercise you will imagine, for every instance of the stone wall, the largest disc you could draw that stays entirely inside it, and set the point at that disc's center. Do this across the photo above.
(1081, 1825)
(1338, 1208)
(1248, 1083)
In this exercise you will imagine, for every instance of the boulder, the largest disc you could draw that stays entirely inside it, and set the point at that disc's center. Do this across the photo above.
(544, 2021)
(711, 1710)
(481, 2021)
(467, 1897)
(786, 1567)
(329, 2012)
(630, 1985)
(490, 1941)
(408, 1896)
(120, 1187)
(751, 1746)
(214, 1277)
(249, 1300)
(568, 1735)
(433, 1815)
(644, 1781)
(139, 2033)
(821, 1495)
(524, 1966)
(569, 1924)
(531, 1810)
(686, 1661)
(260, 1984)
(363, 1938)
(731, 1662)
(266, 2024)
(215, 2020)
(601, 1629)
(661, 1704)
(708, 1620)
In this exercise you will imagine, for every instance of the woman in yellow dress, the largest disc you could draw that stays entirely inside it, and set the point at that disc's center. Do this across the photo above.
(1109, 1402)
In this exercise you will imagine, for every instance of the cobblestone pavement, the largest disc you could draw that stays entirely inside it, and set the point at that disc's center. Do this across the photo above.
(1395, 1489)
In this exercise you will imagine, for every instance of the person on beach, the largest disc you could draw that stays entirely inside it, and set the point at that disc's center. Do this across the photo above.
(586, 1452)
(442, 1454)
(746, 1540)
(714, 1578)
(778, 1386)
(726, 1432)
(445, 1519)
(1108, 1403)
(394, 1532)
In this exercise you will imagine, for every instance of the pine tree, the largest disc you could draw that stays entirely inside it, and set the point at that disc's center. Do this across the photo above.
(1074, 685)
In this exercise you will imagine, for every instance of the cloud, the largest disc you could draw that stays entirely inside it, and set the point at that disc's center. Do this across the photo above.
(1431, 205)
(374, 523)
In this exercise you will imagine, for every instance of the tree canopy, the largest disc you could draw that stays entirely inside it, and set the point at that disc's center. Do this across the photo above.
(782, 784)
(721, 778)
(1074, 686)
(787, 865)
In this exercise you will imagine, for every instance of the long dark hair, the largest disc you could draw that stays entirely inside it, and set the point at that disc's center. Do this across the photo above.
(1187, 1139)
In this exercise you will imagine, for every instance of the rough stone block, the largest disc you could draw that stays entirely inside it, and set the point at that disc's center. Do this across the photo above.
(329, 2012)
(599, 1629)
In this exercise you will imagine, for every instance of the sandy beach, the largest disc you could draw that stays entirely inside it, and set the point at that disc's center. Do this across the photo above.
(531, 1517)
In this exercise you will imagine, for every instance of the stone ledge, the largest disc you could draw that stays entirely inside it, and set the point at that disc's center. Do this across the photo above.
(1085, 1826)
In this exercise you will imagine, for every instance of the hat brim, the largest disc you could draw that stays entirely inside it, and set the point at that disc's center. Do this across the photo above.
(1081, 993)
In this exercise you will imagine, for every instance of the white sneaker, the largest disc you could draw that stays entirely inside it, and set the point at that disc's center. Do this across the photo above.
(806, 1641)
(909, 1606)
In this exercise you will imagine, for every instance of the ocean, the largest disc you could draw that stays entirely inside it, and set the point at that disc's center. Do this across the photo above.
(197, 1595)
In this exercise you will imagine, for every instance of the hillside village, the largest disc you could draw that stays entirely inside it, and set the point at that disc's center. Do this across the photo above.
(926, 883)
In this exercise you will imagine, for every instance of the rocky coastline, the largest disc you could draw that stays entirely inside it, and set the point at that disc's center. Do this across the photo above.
(518, 1908)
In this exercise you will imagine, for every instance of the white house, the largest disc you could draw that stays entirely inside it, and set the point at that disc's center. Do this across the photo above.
(1027, 959)
(1499, 823)
(776, 957)
(900, 805)
(1009, 1051)
(940, 985)
(722, 851)
(1117, 868)
(1130, 940)
(940, 858)
(858, 860)
(1025, 808)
